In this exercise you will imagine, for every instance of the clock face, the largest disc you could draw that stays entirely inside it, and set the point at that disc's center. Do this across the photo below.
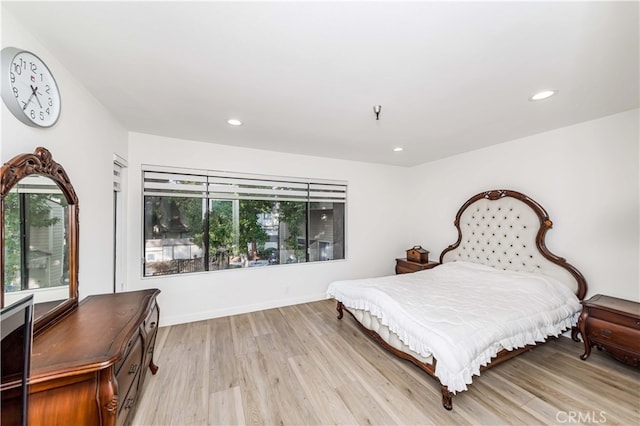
(29, 89)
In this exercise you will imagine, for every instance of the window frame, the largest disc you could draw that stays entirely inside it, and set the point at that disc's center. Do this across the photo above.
(317, 191)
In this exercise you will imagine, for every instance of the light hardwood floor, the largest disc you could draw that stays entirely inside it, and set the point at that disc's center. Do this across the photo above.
(300, 365)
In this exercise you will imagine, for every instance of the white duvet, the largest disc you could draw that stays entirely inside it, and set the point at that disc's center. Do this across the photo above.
(463, 313)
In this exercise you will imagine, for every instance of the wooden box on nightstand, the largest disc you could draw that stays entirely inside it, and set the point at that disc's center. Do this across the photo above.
(404, 266)
(612, 324)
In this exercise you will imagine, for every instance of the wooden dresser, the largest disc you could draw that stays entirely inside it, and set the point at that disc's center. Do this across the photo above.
(88, 368)
(404, 266)
(612, 324)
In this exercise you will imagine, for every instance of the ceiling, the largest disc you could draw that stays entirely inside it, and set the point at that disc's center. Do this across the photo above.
(304, 76)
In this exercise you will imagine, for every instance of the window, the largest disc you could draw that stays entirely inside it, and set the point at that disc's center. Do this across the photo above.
(214, 220)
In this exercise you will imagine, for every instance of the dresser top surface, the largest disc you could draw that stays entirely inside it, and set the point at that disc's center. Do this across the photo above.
(614, 304)
(92, 336)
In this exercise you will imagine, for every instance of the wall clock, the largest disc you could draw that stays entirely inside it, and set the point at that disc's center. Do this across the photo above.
(29, 89)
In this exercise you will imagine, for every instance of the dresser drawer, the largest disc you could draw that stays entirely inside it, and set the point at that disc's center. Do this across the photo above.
(127, 406)
(151, 322)
(129, 371)
(601, 331)
(127, 349)
(616, 318)
(149, 345)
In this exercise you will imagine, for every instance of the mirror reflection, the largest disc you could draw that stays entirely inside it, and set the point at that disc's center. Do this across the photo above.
(36, 246)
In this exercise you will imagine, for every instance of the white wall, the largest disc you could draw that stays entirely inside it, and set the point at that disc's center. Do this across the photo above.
(83, 141)
(375, 213)
(585, 176)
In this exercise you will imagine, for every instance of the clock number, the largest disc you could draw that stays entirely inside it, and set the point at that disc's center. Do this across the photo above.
(12, 76)
(18, 69)
(47, 110)
(47, 89)
(41, 115)
(15, 91)
(50, 102)
(23, 63)
(33, 67)
(33, 114)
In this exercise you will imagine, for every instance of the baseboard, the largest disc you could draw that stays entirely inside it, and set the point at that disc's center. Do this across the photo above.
(236, 310)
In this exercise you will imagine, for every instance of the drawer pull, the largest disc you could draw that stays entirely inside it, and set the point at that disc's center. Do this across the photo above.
(153, 324)
(606, 333)
(637, 322)
(133, 369)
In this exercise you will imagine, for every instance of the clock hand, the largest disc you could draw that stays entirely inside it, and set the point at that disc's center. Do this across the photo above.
(34, 90)
(28, 102)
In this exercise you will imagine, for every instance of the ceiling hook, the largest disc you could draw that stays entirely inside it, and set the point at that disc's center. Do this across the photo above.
(376, 110)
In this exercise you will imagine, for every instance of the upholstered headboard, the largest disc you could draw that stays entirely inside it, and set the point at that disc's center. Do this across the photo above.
(506, 230)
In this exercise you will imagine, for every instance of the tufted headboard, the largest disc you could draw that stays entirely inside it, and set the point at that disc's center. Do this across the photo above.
(506, 230)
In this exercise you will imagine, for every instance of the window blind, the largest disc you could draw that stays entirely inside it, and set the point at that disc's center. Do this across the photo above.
(36, 184)
(174, 185)
(117, 177)
(231, 186)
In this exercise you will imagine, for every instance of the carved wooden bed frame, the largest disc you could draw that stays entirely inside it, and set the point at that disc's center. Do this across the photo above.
(492, 227)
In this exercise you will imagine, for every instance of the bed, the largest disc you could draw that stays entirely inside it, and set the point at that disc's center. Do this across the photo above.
(497, 293)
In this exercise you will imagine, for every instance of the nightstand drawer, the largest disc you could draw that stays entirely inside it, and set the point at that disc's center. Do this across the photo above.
(606, 332)
(404, 266)
(617, 318)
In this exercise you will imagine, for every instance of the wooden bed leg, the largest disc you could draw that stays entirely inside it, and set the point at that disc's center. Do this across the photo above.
(340, 311)
(574, 334)
(446, 397)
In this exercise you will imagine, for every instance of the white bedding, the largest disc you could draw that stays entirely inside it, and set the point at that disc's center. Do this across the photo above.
(463, 313)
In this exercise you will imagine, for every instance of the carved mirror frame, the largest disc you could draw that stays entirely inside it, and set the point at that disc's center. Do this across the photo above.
(41, 163)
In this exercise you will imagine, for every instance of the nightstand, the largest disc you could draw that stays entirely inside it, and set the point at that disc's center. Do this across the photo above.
(612, 324)
(404, 266)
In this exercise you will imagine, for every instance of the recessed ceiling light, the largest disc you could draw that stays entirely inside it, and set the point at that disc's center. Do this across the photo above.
(397, 149)
(234, 122)
(543, 95)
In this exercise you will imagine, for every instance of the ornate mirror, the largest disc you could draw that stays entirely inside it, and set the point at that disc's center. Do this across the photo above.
(39, 236)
